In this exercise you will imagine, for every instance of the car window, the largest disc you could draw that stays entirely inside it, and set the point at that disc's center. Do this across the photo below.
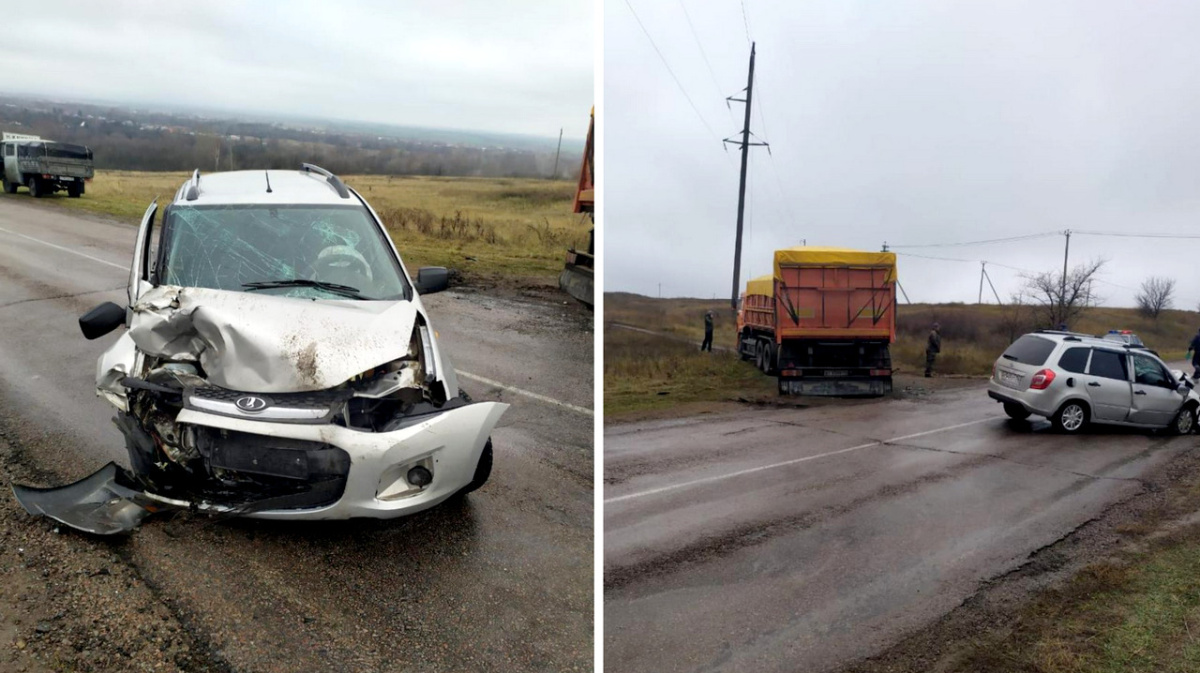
(8, 150)
(1109, 365)
(1075, 359)
(1030, 350)
(1147, 371)
(224, 247)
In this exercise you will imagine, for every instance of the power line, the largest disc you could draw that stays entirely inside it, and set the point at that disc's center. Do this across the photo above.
(1026, 237)
(1125, 235)
(746, 22)
(703, 55)
(673, 76)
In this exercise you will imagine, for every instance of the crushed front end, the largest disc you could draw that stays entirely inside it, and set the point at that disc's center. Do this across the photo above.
(393, 439)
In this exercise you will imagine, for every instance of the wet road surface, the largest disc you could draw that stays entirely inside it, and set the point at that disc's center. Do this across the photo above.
(501, 582)
(802, 540)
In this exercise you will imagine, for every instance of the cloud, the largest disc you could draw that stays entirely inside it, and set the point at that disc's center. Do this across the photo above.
(516, 66)
(904, 122)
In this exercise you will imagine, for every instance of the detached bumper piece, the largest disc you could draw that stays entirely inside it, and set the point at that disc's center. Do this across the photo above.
(106, 503)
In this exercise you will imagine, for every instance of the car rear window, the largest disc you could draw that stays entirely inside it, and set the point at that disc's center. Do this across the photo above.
(1030, 350)
(1109, 365)
(1074, 360)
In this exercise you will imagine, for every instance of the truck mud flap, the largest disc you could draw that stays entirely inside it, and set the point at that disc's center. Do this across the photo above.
(106, 503)
(577, 281)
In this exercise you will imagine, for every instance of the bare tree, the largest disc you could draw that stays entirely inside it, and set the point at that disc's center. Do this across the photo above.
(1156, 296)
(1056, 302)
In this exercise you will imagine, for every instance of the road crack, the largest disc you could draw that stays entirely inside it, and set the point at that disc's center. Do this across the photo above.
(1006, 459)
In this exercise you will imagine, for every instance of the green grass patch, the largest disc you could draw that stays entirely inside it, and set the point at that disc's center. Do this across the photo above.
(643, 373)
(1139, 614)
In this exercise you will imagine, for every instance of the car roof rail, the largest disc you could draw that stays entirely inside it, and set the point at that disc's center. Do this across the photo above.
(333, 180)
(193, 190)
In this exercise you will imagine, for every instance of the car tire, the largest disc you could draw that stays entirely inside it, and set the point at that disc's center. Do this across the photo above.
(1184, 422)
(1071, 418)
(483, 470)
(1016, 411)
(75, 191)
(35, 187)
(10, 187)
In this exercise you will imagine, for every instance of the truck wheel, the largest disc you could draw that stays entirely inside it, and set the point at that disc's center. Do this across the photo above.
(1016, 411)
(75, 190)
(9, 186)
(35, 187)
(768, 358)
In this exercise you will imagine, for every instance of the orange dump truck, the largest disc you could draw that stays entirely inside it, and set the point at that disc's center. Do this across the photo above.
(823, 322)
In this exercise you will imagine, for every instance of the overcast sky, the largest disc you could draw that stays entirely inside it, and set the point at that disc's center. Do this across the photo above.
(515, 66)
(905, 122)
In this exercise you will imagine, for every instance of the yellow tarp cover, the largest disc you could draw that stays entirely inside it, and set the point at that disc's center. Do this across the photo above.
(814, 256)
(762, 285)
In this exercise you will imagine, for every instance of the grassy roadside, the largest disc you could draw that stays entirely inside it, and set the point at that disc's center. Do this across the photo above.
(647, 373)
(490, 229)
(1137, 610)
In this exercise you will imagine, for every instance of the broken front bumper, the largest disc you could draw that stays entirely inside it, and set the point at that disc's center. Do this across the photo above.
(375, 483)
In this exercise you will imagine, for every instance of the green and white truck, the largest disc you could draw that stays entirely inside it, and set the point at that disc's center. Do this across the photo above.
(44, 166)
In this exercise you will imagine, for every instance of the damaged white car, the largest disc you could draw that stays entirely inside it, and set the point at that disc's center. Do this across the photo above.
(277, 364)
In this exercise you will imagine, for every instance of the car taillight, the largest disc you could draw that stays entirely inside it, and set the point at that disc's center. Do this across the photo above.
(1042, 380)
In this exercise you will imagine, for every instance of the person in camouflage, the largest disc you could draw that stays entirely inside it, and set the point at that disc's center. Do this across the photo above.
(706, 345)
(932, 348)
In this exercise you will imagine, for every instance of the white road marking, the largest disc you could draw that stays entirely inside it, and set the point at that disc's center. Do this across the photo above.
(540, 398)
(73, 252)
(752, 470)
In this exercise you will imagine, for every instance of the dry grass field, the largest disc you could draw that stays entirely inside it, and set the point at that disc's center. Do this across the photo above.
(487, 228)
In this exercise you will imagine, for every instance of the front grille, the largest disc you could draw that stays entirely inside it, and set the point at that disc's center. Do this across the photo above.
(304, 407)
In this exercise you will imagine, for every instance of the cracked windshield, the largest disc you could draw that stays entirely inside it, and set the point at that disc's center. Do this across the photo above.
(301, 251)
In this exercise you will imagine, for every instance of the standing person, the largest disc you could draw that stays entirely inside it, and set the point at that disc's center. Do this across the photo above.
(932, 348)
(708, 328)
(1194, 353)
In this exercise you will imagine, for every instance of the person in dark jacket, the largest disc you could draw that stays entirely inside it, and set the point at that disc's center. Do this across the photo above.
(932, 348)
(1194, 353)
(708, 328)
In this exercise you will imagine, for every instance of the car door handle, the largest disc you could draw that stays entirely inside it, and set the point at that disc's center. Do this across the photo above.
(1140, 392)
(1093, 384)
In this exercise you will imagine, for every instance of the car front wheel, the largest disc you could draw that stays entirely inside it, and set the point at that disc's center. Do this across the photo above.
(1071, 418)
(1185, 421)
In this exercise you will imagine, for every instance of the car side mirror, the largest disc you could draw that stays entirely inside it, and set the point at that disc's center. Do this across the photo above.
(432, 279)
(101, 320)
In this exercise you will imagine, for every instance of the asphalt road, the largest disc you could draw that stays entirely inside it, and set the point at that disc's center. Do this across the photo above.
(802, 540)
(503, 582)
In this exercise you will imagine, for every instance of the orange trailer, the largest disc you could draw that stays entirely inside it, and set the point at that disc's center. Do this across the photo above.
(823, 322)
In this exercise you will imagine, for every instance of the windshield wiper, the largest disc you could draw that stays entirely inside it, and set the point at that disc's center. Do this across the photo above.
(335, 288)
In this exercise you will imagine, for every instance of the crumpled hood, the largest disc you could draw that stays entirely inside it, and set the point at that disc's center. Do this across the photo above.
(271, 344)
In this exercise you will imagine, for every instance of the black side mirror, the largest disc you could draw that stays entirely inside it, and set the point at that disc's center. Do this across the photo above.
(432, 279)
(101, 320)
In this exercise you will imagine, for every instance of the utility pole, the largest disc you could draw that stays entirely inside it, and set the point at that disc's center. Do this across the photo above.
(745, 144)
(554, 175)
(982, 267)
(1062, 297)
(217, 165)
